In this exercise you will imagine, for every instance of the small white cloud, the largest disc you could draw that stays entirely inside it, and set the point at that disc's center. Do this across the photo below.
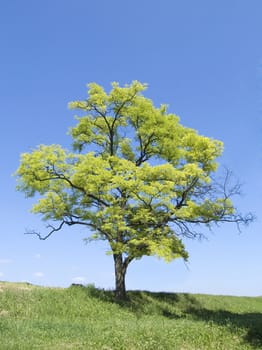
(5, 261)
(1, 274)
(38, 274)
(37, 256)
(79, 279)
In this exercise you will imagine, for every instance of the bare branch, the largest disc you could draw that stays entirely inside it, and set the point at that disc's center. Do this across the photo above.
(53, 229)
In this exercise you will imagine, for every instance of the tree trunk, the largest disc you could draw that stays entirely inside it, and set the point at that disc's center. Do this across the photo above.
(120, 274)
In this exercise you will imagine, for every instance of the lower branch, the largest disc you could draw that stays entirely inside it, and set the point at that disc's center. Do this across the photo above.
(53, 229)
(69, 222)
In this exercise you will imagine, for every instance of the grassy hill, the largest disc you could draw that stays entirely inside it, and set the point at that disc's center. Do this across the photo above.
(79, 317)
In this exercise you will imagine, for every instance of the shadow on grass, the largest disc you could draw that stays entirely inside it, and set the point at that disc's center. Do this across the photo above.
(182, 305)
(251, 322)
(170, 305)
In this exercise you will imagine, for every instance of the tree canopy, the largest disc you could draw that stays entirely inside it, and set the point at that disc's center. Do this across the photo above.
(135, 177)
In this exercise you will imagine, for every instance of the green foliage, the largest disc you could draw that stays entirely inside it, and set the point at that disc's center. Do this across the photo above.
(137, 177)
(87, 318)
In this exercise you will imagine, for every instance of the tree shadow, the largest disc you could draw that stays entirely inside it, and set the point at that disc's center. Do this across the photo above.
(250, 322)
(170, 305)
(183, 305)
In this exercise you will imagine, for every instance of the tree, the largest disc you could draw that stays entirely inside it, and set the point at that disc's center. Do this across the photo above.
(135, 177)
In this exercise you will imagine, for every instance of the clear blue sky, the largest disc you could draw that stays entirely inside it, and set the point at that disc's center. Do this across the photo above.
(203, 58)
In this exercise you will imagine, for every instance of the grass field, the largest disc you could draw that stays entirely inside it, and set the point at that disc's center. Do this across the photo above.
(79, 317)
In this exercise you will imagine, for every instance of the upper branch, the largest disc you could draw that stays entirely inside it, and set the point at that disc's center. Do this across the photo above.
(144, 153)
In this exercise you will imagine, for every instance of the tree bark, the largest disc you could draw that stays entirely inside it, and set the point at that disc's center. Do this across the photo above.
(120, 274)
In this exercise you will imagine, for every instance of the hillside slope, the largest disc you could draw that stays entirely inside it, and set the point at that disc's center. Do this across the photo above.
(80, 317)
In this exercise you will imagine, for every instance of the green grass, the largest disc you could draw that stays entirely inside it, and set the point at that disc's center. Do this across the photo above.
(78, 317)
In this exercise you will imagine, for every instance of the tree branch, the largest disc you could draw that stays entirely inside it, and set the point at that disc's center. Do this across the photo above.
(53, 229)
(69, 222)
(182, 201)
(60, 176)
(144, 155)
(127, 261)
